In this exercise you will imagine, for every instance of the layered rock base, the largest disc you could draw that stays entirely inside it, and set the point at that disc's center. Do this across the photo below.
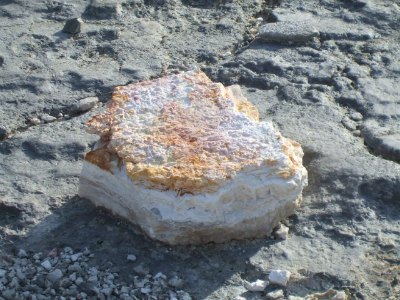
(189, 162)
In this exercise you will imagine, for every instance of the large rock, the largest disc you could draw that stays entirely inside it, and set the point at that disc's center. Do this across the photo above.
(189, 161)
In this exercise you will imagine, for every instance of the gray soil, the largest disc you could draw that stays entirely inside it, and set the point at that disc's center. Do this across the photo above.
(336, 92)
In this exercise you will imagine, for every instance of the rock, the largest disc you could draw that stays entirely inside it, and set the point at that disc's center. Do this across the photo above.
(46, 264)
(55, 276)
(22, 253)
(35, 121)
(282, 232)
(279, 277)
(175, 282)
(73, 26)
(176, 185)
(355, 116)
(287, 32)
(131, 257)
(1, 60)
(145, 290)
(349, 124)
(103, 9)
(75, 257)
(256, 286)
(330, 294)
(277, 294)
(2, 273)
(47, 118)
(84, 105)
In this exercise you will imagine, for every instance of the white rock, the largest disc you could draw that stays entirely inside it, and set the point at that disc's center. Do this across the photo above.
(178, 168)
(282, 232)
(55, 275)
(22, 253)
(145, 290)
(256, 286)
(278, 294)
(340, 295)
(47, 118)
(46, 264)
(75, 257)
(85, 104)
(35, 121)
(295, 298)
(279, 277)
(131, 257)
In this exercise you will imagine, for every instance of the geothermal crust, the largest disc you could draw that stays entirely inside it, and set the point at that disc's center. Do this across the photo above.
(189, 161)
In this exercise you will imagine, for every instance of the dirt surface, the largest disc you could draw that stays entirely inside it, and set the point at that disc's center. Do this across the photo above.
(336, 93)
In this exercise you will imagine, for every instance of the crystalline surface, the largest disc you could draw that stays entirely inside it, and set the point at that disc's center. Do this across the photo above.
(186, 133)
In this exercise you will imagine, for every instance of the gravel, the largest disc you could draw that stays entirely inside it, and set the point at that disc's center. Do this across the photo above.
(59, 275)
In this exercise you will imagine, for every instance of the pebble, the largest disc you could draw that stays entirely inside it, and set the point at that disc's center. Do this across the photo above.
(22, 253)
(256, 286)
(75, 257)
(349, 124)
(55, 276)
(85, 104)
(73, 26)
(279, 277)
(356, 116)
(282, 232)
(175, 282)
(47, 118)
(277, 294)
(145, 290)
(46, 264)
(131, 257)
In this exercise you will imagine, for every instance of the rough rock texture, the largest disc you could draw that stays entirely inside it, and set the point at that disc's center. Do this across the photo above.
(189, 161)
(328, 94)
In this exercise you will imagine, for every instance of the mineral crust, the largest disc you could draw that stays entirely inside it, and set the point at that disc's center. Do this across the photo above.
(189, 161)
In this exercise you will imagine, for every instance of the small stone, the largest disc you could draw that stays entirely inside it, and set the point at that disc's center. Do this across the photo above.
(73, 26)
(75, 257)
(349, 124)
(295, 298)
(356, 116)
(145, 290)
(256, 286)
(2, 273)
(1, 61)
(279, 277)
(55, 276)
(131, 257)
(175, 282)
(72, 277)
(287, 32)
(46, 264)
(35, 121)
(47, 118)
(160, 275)
(22, 253)
(340, 295)
(282, 232)
(277, 294)
(85, 104)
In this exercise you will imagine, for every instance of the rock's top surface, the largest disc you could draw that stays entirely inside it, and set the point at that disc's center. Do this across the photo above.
(185, 133)
(285, 32)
